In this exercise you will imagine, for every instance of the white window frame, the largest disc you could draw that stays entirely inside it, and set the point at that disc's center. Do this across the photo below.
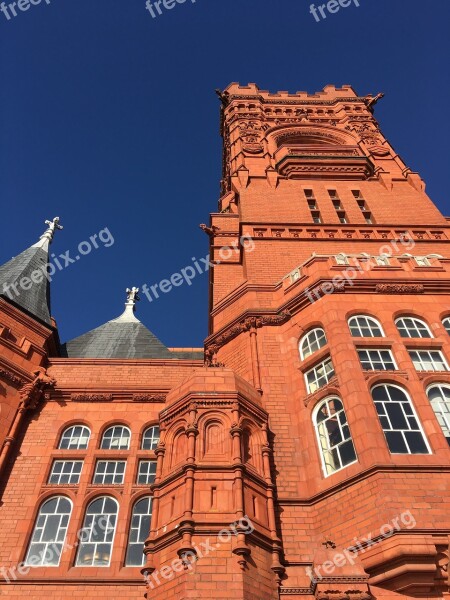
(423, 361)
(372, 360)
(67, 469)
(446, 324)
(94, 524)
(154, 439)
(441, 407)
(145, 468)
(140, 523)
(80, 444)
(312, 384)
(314, 338)
(38, 537)
(413, 326)
(411, 413)
(101, 472)
(120, 433)
(371, 324)
(323, 437)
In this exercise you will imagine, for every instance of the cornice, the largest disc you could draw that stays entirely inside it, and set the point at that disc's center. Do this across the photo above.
(24, 319)
(142, 395)
(302, 300)
(126, 362)
(14, 373)
(375, 470)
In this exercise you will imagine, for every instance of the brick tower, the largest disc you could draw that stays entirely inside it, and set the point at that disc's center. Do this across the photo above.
(306, 452)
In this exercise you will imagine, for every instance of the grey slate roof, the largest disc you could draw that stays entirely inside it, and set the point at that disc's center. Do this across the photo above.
(124, 337)
(117, 340)
(36, 299)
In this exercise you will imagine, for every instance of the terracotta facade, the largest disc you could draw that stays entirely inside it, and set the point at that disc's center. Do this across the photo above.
(281, 469)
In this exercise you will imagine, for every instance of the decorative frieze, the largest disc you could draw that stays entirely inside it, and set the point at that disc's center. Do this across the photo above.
(400, 288)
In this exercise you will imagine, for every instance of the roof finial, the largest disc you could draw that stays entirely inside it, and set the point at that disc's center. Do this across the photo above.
(132, 297)
(52, 227)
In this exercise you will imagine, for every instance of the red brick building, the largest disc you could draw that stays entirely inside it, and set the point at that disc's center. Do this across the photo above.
(305, 452)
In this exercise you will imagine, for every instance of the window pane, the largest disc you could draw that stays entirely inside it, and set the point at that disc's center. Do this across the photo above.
(75, 438)
(139, 531)
(51, 527)
(401, 426)
(97, 540)
(334, 436)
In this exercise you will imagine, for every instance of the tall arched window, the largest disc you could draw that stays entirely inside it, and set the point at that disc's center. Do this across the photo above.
(446, 324)
(97, 536)
(439, 397)
(49, 533)
(411, 327)
(311, 342)
(75, 437)
(116, 437)
(399, 421)
(139, 531)
(150, 439)
(333, 434)
(365, 326)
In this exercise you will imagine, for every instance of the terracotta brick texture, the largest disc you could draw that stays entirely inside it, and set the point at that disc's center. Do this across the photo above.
(274, 475)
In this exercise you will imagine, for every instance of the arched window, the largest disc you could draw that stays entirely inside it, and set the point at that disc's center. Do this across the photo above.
(410, 327)
(439, 397)
(139, 531)
(365, 326)
(150, 439)
(311, 342)
(49, 533)
(97, 536)
(75, 437)
(446, 324)
(333, 434)
(398, 420)
(116, 437)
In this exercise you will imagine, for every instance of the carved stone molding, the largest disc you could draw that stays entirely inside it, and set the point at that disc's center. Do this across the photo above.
(343, 595)
(295, 591)
(399, 288)
(149, 397)
(91, 397)
(10, 376)
(255, 322)
(31, 394)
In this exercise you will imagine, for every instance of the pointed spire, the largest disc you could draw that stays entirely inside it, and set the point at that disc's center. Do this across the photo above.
(47, 237)
(25, 279)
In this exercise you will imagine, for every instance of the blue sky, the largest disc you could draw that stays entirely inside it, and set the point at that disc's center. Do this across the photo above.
(109, 120)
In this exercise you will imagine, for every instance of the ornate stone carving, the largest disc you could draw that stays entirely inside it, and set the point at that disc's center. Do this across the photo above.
(400, 288)
(32, 393)
(245, 325)
(10, 376)
(91, 397)
(149, 397)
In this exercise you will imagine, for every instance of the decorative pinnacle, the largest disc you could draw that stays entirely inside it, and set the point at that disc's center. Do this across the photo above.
(52, 227)
(132, 296)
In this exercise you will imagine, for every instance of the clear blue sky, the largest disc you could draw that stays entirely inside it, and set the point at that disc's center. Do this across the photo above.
(109, 119)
